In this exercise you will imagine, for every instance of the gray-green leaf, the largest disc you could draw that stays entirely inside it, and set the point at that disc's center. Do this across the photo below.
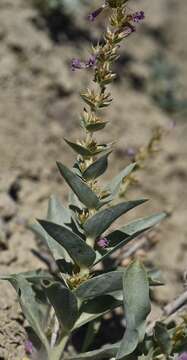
(137, 307)
(64, 303)
(31, 307)
(100, 222)
(162, 337)
(97, 168)
(79, 187)
(100, 285)
(78, 250)
(113, 187)
(105, 352)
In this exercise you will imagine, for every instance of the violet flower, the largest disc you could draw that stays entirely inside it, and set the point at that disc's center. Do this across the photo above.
(183, 356)
(29, 347)
(138, 16)
(96, 12)
(103, 243)
(78, 64)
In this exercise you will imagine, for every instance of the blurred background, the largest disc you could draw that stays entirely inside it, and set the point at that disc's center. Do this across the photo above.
(39, 105)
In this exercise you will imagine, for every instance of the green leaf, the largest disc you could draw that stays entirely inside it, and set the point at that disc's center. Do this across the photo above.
(100, 285)
(79, 187)
(64, 303)
(100, 222)
(113, 187)
(94, 308)
(97, 168)
(105, 352)
(137, 307)
(162, 338)
(96, 126)
(134, 228)
(78, 250)
(81, 150)
(58, 214)
(32, 276)
(31, 307)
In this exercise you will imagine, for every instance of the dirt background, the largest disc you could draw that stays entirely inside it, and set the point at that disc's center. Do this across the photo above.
(39, 105)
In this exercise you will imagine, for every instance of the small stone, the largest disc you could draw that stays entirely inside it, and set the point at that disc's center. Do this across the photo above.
(7, 206)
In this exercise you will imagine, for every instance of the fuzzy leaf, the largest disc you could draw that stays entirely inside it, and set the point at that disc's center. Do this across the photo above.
(94, 308)
(134, 228)
(100, 222)
(137, 307)
(58, 214)
(78, 250)
(113, 187)
(87, 152)
(34, 276)
(79, 187)
(105, 352)
(97, 168)
(162, 337)
(64, 303)
(79, 148)
(31, 307)
(96, 127)
(100, 285)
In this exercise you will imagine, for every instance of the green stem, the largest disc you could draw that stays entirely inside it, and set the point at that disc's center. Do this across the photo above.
(57, 352)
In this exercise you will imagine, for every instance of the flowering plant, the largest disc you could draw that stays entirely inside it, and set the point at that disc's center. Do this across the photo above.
(78, 236)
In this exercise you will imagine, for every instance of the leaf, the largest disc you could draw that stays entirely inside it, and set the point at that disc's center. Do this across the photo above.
(100, 285)
(113, 187)
(79, 187)
(105, 352)
(97, 168)
(30, 305)
(96, 126)
(79, 148)
(32, 276)
(78, 250)
(94, 308)
(64, 303)
(137, 307)
(58, 214)
(162, 337)
(135, 227)
(120, 238)
(100, 222)
(82, 150)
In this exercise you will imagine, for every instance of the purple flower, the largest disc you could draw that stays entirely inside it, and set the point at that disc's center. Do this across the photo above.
(78, 64)
(96, 12)
(29, 347)
(183, 356)
(131, 151)
(138, 16)
(103, 243)
(91, 61)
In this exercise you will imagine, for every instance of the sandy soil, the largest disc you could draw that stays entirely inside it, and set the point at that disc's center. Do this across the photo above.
(39, 106)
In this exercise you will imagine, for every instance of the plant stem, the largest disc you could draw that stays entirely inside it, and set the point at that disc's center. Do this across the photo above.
(57, 352)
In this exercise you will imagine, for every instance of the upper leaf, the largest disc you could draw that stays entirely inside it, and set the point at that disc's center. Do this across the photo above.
(79, 251)
(113, 187)
(79, 187)
(100, 222)
(58, 214)
(82, 150)
(97, 168)
(137, 307)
